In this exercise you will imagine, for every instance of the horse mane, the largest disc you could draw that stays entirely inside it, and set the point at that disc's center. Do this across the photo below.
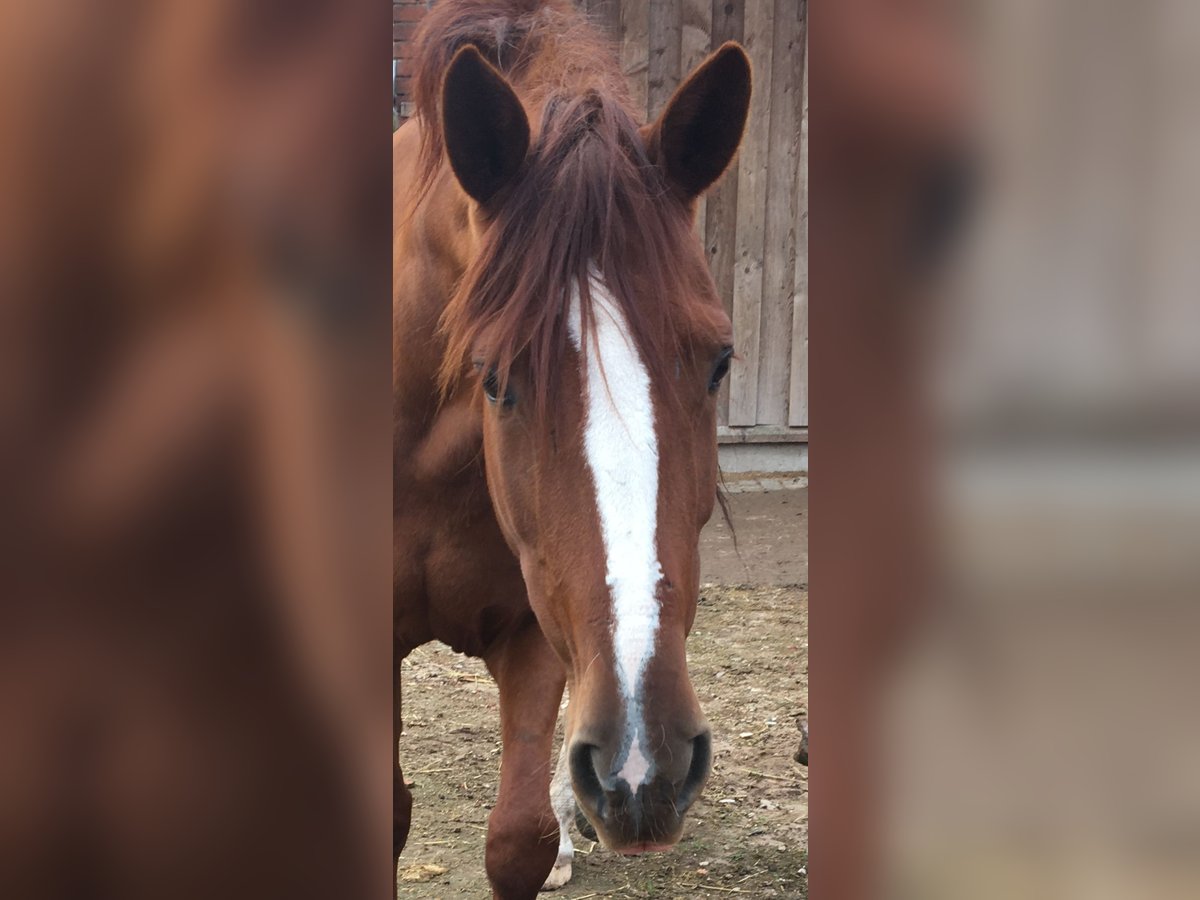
(588, 203)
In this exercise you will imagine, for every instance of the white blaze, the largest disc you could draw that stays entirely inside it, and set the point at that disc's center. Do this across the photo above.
(622, 452)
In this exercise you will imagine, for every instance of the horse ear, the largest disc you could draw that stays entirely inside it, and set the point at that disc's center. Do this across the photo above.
(698, 132)
(485, 127)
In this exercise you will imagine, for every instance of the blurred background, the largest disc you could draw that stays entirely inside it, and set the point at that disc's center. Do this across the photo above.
(1005, 438)
(195, 678)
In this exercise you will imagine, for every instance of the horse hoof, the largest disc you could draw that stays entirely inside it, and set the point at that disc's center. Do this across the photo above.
(559, 876)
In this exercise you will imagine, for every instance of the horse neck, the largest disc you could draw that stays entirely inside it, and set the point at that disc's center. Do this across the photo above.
(433, 254)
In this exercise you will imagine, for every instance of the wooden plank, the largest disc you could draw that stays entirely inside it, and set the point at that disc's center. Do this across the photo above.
(695, 38)
(695, 43)
(798, 395)
(751, 219)
(606, 14)
(720, 227)
(779, 259)
(635, 50)
(666, 22)
(761, 434)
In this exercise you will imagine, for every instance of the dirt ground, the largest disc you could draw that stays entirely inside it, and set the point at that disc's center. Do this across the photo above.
(772, 540)
(748, 656)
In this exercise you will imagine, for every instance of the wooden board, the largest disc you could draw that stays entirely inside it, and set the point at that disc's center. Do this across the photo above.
(753, 184)
(606, 14)
(762, 434)
(666, 21)
(798, 395)
(720, 227)
(779, 258)
(635, 50)
(695, 43)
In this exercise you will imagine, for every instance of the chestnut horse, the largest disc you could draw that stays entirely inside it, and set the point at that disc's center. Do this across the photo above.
(557, 345)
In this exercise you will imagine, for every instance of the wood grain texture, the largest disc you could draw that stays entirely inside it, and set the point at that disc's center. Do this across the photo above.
(695, 43)
(753, 190)
(720, 227)
(663, 73)
(779, 257)
(635, 50)
(798, 394)
(606, 14)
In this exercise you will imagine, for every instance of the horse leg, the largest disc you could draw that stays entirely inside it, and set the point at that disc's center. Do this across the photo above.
(522, 834)
(401, 795)
(562, 799)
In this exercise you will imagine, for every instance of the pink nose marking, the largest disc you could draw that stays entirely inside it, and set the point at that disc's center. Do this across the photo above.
(636, 765)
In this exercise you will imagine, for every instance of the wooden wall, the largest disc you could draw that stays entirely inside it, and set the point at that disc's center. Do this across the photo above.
(755, 222)
(406, 14)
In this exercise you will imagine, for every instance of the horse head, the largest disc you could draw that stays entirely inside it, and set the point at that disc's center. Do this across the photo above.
(590, 328)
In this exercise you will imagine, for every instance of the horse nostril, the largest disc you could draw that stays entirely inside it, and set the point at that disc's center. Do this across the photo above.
(583, 774)
(697, 774)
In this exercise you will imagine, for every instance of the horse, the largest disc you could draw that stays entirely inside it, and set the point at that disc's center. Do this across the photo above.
(557, 346)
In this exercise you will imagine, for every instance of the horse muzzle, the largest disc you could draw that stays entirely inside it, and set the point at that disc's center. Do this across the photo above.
(646, 817)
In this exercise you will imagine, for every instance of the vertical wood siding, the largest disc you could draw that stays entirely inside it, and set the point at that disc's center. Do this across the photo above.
(798, 394)
(406, 14)
(779, 242)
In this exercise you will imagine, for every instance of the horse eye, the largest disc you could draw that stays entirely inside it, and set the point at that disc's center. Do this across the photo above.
(491, 389)
(491, 385)
(720, 369)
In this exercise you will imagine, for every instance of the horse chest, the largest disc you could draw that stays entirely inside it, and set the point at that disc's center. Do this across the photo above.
(464, 586)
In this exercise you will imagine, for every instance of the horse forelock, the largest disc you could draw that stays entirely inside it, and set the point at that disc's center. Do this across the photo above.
(587, 202)
(588, 205)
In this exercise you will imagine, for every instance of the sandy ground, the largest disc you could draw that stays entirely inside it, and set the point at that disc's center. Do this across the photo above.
(748, 655)
(772, 541)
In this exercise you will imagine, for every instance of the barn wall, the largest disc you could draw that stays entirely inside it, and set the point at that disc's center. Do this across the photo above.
(754, 224)
(405, 16)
